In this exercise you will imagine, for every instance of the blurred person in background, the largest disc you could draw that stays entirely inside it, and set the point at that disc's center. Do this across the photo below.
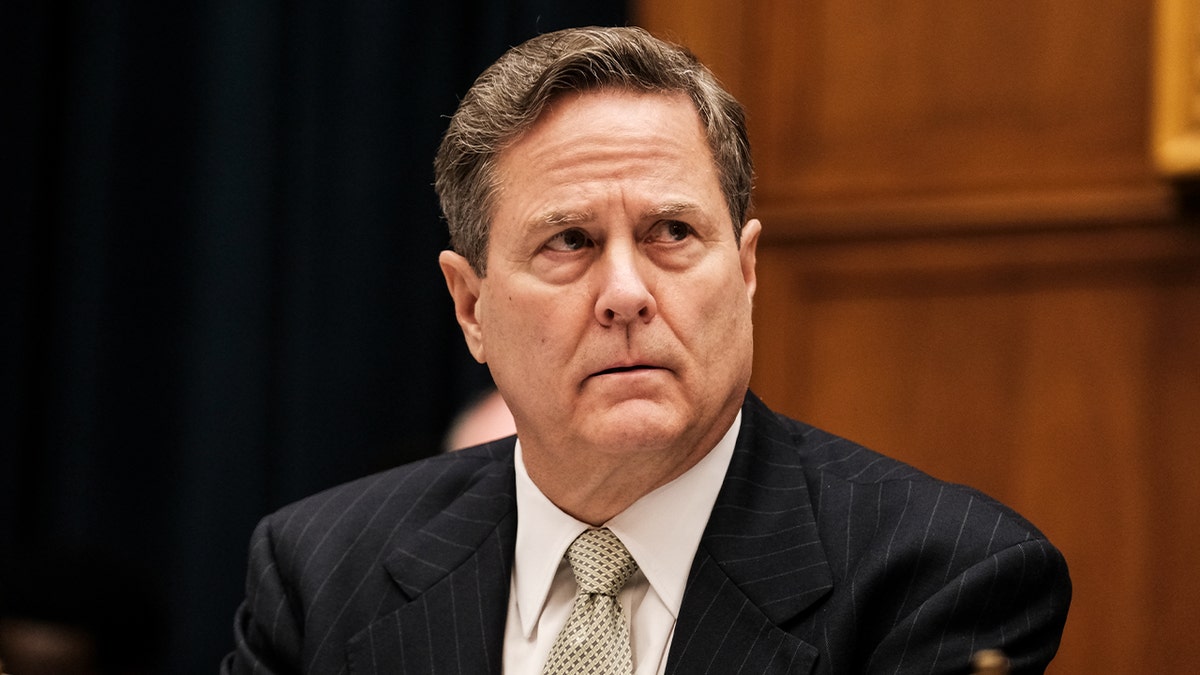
(75, 612)
(485, 418)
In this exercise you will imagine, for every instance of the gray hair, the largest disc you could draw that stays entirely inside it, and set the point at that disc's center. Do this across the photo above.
(508, 97)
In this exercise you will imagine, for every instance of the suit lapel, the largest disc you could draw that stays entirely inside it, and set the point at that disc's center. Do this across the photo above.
(453, 577)
(759, 565)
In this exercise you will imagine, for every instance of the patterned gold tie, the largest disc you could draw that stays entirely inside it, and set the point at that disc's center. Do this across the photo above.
(595, 639)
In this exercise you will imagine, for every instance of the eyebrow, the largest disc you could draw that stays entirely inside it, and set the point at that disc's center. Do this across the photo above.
(671, 209)
(555, 219)
(559, 218)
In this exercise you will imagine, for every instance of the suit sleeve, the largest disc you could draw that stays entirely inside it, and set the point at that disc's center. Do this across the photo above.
(267, 634)
(1014, 600)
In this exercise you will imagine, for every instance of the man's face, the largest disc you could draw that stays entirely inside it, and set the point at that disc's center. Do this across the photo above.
(615, 313)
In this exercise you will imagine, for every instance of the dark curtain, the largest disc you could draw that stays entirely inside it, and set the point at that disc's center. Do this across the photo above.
(219, 282)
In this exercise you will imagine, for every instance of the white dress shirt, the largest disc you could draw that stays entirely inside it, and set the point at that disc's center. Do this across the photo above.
(661, 530)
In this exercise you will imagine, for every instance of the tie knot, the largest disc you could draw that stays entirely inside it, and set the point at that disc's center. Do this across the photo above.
(600, 561)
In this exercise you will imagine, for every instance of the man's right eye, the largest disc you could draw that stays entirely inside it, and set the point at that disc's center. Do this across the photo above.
(568, 240)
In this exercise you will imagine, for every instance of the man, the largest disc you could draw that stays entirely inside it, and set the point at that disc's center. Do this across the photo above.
(596, 183)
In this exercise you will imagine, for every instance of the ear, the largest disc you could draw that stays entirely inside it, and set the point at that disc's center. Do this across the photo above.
(748, 252)
(464, 285)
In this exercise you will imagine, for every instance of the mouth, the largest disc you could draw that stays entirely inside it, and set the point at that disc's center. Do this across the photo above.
(624, 369)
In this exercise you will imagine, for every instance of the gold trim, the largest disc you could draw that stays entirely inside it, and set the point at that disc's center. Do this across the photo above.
(1176, 133)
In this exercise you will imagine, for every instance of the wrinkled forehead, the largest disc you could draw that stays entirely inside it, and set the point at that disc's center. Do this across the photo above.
(572, 98)
(617, 121)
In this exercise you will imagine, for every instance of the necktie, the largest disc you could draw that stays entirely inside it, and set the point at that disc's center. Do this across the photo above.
(595, 639)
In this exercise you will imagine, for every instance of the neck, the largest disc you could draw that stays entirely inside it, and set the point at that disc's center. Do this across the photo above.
(598, 494)
(596, 490)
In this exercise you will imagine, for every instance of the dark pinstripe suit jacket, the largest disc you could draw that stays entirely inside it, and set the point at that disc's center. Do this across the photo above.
(820, 557)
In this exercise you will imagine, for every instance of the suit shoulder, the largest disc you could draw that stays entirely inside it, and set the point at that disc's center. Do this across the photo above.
(404, 497)
(845, 459)
(818, 451)
(842, 470)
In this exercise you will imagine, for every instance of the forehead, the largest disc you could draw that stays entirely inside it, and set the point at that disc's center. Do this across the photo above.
(611, 109)
(598, 138)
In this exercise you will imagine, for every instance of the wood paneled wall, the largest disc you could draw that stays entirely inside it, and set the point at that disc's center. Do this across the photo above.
(970, 263)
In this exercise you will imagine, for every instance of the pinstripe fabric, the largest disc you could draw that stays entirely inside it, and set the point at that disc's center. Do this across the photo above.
(820, 557)
(830, 558)
(403, 572)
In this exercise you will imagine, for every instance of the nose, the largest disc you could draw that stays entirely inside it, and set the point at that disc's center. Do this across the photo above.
(624, 296)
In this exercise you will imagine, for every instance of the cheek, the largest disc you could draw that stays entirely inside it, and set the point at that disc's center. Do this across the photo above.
(720, 300)
(725, 319)
(525, 324)
(705, 321)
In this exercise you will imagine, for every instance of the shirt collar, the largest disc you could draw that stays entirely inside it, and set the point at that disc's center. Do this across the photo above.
(663, 546)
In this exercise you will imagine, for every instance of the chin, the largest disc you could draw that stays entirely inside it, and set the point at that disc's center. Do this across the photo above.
(638, 426)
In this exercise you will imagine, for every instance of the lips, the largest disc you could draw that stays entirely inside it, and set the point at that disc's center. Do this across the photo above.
(624, 369)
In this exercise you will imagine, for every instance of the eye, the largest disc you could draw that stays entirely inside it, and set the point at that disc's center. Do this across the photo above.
(569, 240)
(671, 230)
